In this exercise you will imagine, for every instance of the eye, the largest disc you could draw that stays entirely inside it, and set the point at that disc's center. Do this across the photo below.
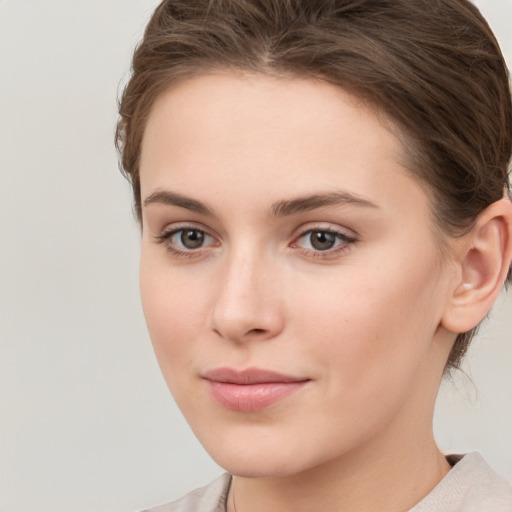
(190, 238)
(185, 240)
(323, 240)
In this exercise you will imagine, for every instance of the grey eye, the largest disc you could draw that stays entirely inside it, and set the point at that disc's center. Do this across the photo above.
(322, 240)
(191, 238)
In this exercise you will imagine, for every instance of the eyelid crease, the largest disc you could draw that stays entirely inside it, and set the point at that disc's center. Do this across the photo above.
(338, 234)
(345, 241)
(164, 238)
(329, 227)
(331, 254)
(166, 234)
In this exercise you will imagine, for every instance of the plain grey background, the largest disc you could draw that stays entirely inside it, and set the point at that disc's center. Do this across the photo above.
(86, 422)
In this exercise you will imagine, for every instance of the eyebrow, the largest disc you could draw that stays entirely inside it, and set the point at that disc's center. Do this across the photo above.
(175, 199)
(307, 203)
(283, 208)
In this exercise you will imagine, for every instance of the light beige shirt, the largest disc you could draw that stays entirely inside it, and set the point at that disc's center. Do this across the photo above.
(471, 486)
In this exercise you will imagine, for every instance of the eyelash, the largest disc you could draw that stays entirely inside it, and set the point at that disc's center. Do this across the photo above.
(165, 238)
(346, 241)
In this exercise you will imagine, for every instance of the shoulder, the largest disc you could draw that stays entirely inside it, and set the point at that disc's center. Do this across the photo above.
(211, 498)
(471, 486)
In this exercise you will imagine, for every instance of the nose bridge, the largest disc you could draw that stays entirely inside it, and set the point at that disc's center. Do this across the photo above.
(246, 305)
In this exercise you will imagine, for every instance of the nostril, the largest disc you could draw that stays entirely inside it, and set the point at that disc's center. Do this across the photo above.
(256, 331)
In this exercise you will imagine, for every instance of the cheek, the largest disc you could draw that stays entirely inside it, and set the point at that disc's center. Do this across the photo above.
(172, 308)
(371, 326)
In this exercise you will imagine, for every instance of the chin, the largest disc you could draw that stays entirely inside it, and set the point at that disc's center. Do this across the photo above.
(258, 466)
(262, 454)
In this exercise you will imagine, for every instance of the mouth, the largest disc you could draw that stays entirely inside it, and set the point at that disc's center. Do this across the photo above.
(251, 390)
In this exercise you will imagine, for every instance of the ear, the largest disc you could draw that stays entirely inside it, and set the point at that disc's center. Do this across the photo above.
(483, 264)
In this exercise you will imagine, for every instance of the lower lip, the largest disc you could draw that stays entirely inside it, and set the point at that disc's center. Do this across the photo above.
(251, 397)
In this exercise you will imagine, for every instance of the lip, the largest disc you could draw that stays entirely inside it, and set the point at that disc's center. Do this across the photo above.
(252, 389)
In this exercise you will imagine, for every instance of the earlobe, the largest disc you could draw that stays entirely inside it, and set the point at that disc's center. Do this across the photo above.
(484, 263)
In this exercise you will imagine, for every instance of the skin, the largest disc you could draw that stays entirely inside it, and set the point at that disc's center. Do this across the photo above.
(362, 321)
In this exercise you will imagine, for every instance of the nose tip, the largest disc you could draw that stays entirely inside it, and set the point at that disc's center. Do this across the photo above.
(246, 307)
(245, 323)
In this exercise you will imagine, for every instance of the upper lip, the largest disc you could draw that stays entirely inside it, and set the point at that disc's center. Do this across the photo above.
(249, 376)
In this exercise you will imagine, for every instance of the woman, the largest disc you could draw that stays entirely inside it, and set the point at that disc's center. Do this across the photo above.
(322, 188)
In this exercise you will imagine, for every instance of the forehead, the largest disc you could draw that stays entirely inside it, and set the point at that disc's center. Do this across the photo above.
(267, 104)
(224, 133)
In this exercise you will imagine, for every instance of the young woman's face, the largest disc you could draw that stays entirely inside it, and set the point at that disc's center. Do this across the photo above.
(290, 278)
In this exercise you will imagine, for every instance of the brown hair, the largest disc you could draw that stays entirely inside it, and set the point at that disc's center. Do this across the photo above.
(431, 66)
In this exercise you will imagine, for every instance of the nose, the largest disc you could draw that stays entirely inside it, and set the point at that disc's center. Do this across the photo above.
(247, 305)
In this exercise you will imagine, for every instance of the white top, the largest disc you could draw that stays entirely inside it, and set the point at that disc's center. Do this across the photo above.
(471, 486)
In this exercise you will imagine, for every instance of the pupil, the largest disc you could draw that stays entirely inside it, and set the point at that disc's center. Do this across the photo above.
(192, 239)
(322, 241)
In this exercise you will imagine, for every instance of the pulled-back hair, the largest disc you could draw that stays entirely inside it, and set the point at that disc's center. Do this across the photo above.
(433, 67)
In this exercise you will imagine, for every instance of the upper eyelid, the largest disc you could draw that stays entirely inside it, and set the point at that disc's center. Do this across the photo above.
(165, 239)
(173, 228)
(165, 236)
(332, 254)
(321, 229)
(342, 236)
(327, 227)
